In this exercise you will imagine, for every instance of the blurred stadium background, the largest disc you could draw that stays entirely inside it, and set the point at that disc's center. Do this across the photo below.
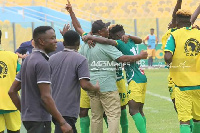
(18, 18)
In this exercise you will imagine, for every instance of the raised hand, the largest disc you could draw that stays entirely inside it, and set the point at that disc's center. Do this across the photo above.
(125, 38)
(65, 29)
(68, 6)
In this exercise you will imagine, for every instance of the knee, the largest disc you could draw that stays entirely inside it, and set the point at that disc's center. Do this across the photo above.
(133, 111)
(83, 112)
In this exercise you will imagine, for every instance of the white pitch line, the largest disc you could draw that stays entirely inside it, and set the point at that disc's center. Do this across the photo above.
(157, 95)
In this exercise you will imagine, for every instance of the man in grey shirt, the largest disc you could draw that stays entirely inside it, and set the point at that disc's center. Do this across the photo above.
(69, 72)
(36, 102)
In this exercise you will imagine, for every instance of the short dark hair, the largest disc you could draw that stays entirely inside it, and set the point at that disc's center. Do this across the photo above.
(183, 16)
(40, 30)
(152, 29)
(99, 25)
(116, 28)
(70, 38)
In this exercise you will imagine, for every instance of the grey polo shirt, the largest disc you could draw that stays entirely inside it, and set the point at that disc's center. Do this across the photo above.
(34, 70)
(68, 67)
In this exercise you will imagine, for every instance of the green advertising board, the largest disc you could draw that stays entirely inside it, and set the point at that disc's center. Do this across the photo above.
(159, 56)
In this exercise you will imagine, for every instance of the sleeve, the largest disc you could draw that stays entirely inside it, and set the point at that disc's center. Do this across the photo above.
(18, 77)
(83, 70)
(20, 49)
(170, 46)
(112, 52)
(43, 72)
(146, 38)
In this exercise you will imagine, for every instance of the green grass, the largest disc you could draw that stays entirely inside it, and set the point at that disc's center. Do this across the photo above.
(160, 114)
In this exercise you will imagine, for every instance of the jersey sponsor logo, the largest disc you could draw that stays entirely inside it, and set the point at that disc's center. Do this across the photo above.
(192, 47)
(3, 69)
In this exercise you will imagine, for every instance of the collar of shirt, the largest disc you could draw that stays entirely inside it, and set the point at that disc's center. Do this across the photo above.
(41, 51)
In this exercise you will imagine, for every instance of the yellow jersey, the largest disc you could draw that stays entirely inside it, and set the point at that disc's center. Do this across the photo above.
(8, 71)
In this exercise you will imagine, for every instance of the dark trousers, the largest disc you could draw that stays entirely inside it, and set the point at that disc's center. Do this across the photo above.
(70, 120)
(37, 127)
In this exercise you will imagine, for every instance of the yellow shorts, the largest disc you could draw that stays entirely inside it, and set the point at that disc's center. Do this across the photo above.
(85, 100)
(122, 92)
(137, 91)
(151, 52)
(171, 87)
(12, 121)
(187, 104)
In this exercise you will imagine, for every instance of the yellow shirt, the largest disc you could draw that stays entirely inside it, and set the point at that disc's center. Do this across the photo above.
(8, 67)
(185, 67)
(166, 36)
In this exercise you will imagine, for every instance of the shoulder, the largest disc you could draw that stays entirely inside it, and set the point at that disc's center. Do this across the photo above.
(9, 53)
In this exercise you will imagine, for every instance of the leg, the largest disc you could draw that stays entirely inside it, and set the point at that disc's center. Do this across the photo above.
(105, 119)
(183, 104)
(136, 103)
(13, 122)
(2, 125)
(8, 131)
(84, 108)
(142, 113)
(137, 117)
(84, 120)
(37, 127)
(97, 112)
(173, 101)
(123, 101)
(111, 106)
(196, 111)
(124, 120)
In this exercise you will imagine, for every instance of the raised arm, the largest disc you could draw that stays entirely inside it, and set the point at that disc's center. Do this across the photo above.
(75, 21)
(177, 7)
(195, 15)
(101, 40)
(133, 58)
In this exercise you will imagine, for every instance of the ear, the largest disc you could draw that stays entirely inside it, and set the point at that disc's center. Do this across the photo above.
(64, 43)
(99, 32)
(41, 41)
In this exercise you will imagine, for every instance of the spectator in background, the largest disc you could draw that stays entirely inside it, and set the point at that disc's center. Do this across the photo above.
(9, 115)
(25, 49)
(151, 47)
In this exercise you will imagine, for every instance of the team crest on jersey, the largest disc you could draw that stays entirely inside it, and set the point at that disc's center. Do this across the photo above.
(3, 69)
(192, 47)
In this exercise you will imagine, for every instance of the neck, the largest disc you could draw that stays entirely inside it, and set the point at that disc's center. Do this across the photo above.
(72, 47)
(183, 25)
(41, 48)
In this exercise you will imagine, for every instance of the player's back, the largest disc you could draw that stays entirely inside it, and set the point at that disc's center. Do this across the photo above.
(133, 70)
